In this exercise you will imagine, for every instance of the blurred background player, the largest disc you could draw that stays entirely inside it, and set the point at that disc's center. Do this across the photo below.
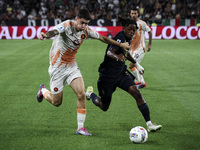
(138, 47)
(63, 67)
(113, 73)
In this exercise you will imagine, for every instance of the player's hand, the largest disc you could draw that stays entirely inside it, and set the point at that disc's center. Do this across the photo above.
(121, 58)
(140, 68)
(42, 36)
(148, 47)
(125, 46)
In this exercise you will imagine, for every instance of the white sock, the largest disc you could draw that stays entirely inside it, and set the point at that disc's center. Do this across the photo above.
(136, 74)
(148, 123)
(141, 79)
(80, 120)
(44, 90)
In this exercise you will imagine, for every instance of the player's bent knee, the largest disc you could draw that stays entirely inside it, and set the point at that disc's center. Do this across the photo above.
(57, 103)
(57, 99)
(134, 92)
(104, 109)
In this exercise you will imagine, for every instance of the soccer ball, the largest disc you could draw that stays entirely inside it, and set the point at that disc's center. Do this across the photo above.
(138, 135)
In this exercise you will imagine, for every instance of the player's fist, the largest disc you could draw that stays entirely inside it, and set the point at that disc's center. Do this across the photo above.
(148, 47)
(42, 36)
(125, 46)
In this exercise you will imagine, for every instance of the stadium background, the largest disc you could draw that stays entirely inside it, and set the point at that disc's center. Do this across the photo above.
(171, 73)
(182, 18)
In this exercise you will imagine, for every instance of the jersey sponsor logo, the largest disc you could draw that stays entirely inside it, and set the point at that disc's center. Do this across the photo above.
(55, 89)
(136, 56)
(83, 36)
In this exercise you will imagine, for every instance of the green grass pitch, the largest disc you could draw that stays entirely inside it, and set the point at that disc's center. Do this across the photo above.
(172, 74)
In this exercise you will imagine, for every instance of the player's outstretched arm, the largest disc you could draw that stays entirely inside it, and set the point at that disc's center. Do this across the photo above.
(124, 46)
(111, 53)
(48, 34)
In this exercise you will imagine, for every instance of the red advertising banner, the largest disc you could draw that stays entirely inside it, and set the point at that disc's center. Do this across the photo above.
(158, 32)
(175, 32)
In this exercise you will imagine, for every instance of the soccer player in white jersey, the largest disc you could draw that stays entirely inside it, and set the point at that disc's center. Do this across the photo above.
(138, 47)
(63, 68)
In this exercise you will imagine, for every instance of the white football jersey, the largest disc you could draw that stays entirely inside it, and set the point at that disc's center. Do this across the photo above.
(138, 41)
(66, 44)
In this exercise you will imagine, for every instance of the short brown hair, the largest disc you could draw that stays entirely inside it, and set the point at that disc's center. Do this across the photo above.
(84, 13)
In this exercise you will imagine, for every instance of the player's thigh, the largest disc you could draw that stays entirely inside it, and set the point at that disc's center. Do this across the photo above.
(78, 87)
(75, 81)
(57, 78)
(125, 82)
(106, 89)
(133, 90)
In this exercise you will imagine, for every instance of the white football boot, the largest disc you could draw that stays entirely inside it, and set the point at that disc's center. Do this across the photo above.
(89, 92)
(153, 127)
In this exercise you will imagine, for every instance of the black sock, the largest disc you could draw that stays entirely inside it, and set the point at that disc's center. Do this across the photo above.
(145, 111)
(94, 97)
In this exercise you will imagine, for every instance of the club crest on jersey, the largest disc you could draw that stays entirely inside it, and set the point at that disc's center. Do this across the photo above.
(83, 36)
(55, 89)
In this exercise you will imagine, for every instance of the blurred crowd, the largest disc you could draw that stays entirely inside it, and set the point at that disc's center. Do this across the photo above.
(104, 9)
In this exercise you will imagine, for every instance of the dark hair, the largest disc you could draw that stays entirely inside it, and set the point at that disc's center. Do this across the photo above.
(135, 9)
(126, 21)
(84, 13)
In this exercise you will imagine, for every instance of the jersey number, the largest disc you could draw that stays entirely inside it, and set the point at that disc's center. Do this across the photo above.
(136, 56)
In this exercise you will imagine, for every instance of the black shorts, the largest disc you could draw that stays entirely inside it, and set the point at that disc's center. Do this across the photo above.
(107, 85)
